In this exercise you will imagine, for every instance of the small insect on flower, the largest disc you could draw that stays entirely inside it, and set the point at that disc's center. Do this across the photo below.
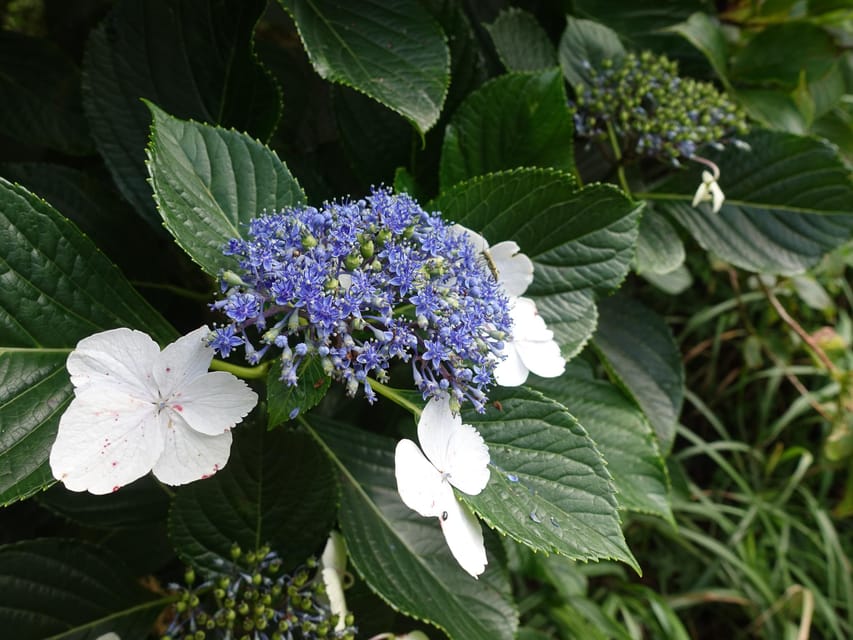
(138, 409)
(455, 455)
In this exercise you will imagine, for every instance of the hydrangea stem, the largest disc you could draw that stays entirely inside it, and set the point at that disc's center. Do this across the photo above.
(617, 153)
(395, 396)
(246, 373)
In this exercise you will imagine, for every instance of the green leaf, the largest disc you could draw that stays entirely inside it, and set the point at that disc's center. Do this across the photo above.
(787, 203)
(521, 42)
(513, 121)
(550, 488)
(61, 289)
(772, 109)
(659, 247)
(705, 34)
(138, 504)
(40, 86)
(583, 43)
(285, 402)
(808, 49)
(403, 556)
(210, 182)
(581, 241)
(277, 489)
(193, 58)
(100, 212)
(621, 433)
(377, 140)
(640, 354)
(56, 589)
(393, 51)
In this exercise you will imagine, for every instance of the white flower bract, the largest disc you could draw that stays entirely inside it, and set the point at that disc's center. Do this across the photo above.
(709, 190)
(137, 409)
(455, 455)
(532, 347)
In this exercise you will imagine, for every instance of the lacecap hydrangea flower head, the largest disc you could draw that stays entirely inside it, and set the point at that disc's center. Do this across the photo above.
(359, 284)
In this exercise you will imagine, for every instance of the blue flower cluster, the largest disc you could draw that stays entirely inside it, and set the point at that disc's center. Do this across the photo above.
(652, 110)
(357, 284)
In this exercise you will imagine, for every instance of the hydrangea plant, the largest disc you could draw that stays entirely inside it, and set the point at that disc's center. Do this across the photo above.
(367, 314)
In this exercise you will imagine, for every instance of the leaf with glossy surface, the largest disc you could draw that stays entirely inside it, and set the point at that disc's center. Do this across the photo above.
(278, 488)
(61, 289)
(550, 488)
(403, 556)
(659, 247)
(521, 42)
(585, 44)
(787, 203)
(581, 241)
(194, 58)
(139, 504)
(210, 182)
(516, 120)
(705, 34)
(285, 402)
(60, 589)
(622, 435)
(392, 51)
(40, 86)
(640, 354)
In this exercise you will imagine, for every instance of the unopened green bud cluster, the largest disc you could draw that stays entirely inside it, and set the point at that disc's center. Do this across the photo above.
(653, 111)
(255, 600)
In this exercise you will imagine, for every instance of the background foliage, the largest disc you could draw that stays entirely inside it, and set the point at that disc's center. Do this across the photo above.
(690, 474)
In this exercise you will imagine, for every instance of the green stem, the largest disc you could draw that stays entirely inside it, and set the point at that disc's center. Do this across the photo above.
(247, 373)
(617, 153)
(395, 396)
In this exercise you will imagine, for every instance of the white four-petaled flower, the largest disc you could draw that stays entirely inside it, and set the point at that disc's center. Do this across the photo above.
(709, 190)
(137, 409)
(455, 455)
(532, 346)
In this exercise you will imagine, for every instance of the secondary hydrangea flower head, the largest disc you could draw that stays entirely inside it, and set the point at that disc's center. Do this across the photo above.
(652, 110)
(358, 284)
(138, 409)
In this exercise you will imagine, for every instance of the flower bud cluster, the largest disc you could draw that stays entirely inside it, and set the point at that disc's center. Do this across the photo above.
(652, 110)
(256, 602)
(357, 284)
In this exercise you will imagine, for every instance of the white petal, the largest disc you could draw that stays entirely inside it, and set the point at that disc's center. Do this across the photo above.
(511, 372)
(467, 465)
(335, 593)
(464, 537)
(477, 241)
(187, 454)
(214, 402)
(419, 484)
(185, 359)
(700, 195)
(119, 359)
(515, 269)
(542, 358)
(717, 197)
(435, 428)
(105, 441)
(534, 342)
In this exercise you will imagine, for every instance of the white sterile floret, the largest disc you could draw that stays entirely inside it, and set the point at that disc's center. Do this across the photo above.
(137, 409)
(455, 455)
(532, 347)
(512, 269)
(333, 569)
(709, 190)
